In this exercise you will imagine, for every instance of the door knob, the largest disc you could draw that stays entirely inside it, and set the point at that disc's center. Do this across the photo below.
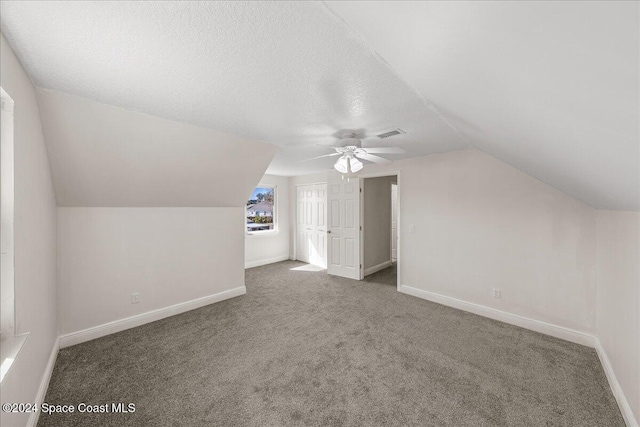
(328, 231)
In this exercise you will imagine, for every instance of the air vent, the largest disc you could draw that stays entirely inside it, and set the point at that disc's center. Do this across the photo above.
(391, 133)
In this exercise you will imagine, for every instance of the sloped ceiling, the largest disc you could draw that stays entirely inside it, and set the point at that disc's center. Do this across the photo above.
(548, 87)
(290, 73)
(102, 155)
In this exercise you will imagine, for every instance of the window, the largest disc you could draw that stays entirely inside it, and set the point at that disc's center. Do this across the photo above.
(261, 210)
(10, 342)
(6, 217)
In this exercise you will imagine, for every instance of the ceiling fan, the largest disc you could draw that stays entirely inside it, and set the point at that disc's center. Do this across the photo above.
(350, 150)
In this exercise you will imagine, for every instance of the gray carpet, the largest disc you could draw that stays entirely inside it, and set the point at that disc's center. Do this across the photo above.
(304, 348)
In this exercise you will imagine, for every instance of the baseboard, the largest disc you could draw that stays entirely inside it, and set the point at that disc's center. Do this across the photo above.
(44, 383)
(623, 403)
(503, 316)
(99, 331)
(377, 268)
(265, 261)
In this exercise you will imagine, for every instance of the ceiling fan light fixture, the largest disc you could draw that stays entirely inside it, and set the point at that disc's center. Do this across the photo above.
(356, 165)
(350, 150)
(348, 163)
(342, 165)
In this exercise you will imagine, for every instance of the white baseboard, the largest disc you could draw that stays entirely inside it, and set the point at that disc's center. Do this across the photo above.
(89, 334)
(44, 383)
(377, 268)
(266, 261)
(623, 403)
(503, 316)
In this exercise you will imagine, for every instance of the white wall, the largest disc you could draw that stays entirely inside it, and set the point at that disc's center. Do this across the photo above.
(35, 241)
(186, 240)
(618, 302)
(268, 247)
(376, 215)
(168, 255)
(507, 229)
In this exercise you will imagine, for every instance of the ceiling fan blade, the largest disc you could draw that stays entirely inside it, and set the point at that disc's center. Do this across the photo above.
(374, 159)
(334, 147)
(319, 157)
(384, 150)
(314, 140)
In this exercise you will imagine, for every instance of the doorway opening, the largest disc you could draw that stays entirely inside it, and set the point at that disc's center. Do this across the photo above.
(380, 220)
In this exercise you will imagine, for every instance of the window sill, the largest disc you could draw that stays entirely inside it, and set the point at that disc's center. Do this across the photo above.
(262, 233)
(11, 346)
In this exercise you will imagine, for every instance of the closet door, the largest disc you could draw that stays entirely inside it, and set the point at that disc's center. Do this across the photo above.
(311, 224)
(320, 223)
(302, 245)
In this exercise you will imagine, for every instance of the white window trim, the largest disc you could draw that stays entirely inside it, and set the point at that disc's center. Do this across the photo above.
(10, 343)
(275, 229)
(7, 294)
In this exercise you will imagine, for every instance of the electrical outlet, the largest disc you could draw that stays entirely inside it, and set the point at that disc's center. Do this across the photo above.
(135, 297)
(497, 293)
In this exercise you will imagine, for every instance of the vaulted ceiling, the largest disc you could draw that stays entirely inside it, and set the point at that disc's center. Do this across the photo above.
(551, 88)
(101, 155)
(548, 87)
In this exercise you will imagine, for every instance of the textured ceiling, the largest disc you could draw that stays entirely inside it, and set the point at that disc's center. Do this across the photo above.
(548, 87)
(290, 73)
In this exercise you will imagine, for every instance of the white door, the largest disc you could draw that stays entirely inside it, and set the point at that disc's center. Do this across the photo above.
(319, 254)
(311, 243)
(343, 234)
(394, 222)
(302, 245)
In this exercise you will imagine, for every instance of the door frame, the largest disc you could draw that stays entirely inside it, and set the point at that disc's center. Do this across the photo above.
(396, 173)
(294, 241)
(397, 205)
